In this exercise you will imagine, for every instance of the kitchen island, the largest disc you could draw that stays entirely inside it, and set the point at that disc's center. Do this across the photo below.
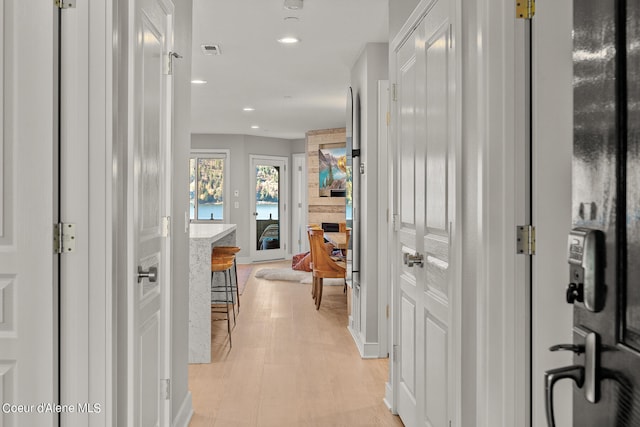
(202, 237)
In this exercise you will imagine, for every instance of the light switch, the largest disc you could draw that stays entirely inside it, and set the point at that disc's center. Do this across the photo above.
(236, 205)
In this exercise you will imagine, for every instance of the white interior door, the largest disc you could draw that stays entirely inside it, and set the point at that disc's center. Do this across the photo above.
(149, 144)
(425, 110)
(28, 188)
(269, 207)
(299, 241)
(409, 301)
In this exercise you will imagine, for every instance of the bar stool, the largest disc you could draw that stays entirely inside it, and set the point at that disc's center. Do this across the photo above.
(230, 250)
(223, 264)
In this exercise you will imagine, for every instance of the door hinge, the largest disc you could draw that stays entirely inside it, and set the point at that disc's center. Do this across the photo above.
(387, 311)
(166, 226)
(396, 222)
(525, 9)
(165, 387)
(299, 168)
(394, 92)
(395, 352)
(388, 118)
(526, 239)
(65, 4)
(64, 238)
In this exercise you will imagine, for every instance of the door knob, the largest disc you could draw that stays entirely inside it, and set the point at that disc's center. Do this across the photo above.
(575, 372)
(151, 274)
(409, 259)
(586, 377)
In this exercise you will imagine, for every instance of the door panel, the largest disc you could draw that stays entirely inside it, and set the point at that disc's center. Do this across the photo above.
(425, 144)
(605, 146)
(409, 294)
(435, 237)
(28, 188)
(408, 350)
(436, 372)
(150, 133)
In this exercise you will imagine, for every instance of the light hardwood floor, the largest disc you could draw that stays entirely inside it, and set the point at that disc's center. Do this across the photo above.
(290, 365)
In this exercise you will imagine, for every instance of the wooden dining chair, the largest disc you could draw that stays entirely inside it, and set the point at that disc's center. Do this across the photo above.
(322, 264)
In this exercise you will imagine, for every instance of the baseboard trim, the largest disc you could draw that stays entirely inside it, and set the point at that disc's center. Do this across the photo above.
(183, 417)
(249, 260)
(368, 350)
(388, 397)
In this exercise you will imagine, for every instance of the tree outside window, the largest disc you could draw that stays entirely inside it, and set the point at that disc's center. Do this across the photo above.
(206, 188)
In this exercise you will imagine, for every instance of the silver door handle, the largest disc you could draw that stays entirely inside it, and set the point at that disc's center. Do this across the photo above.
(151, 274)
(409, 259)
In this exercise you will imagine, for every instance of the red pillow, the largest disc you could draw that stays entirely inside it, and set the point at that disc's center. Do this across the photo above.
(302, 262)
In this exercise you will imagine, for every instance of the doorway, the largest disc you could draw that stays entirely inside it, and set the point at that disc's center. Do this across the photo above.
(269, 207)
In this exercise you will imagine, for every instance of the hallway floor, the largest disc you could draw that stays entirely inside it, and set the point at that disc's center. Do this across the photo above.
(290, 365)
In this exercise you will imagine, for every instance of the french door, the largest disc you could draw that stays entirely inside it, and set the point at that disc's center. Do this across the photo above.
(425, 111)
(268, 207)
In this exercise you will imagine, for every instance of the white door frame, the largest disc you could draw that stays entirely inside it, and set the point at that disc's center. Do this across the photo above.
(552, 115)
(498, 112)
(283, 198)
(299, 209)
(87, 326)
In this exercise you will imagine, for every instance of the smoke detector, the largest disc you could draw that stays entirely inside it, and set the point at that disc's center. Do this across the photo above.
(293, 4)
(211, 49)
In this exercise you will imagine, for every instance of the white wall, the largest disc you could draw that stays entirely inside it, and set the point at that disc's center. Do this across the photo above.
(241, 146)
(371, 66)
(399, 11)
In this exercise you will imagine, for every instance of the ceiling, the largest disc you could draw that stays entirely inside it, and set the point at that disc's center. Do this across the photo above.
(293, 88)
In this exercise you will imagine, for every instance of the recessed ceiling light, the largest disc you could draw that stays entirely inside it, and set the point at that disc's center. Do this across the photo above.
(293, 4)
(289, 40)
(198, 82)
(248, 109)
(255, 127)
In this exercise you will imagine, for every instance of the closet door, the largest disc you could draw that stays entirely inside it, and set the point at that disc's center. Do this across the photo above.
(425, 143)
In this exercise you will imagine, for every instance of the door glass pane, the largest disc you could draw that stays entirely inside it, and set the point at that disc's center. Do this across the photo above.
(632, 318)
(192, 189)
(210, 186)
(267, 207)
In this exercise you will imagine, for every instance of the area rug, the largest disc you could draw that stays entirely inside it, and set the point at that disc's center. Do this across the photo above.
(287, 274)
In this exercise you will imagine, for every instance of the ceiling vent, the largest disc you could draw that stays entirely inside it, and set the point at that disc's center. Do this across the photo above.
(211, 49)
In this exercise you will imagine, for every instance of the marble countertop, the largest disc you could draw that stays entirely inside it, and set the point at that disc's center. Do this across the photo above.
(210, 231)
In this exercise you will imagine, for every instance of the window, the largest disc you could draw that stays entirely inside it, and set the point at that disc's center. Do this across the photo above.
(207, 186)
